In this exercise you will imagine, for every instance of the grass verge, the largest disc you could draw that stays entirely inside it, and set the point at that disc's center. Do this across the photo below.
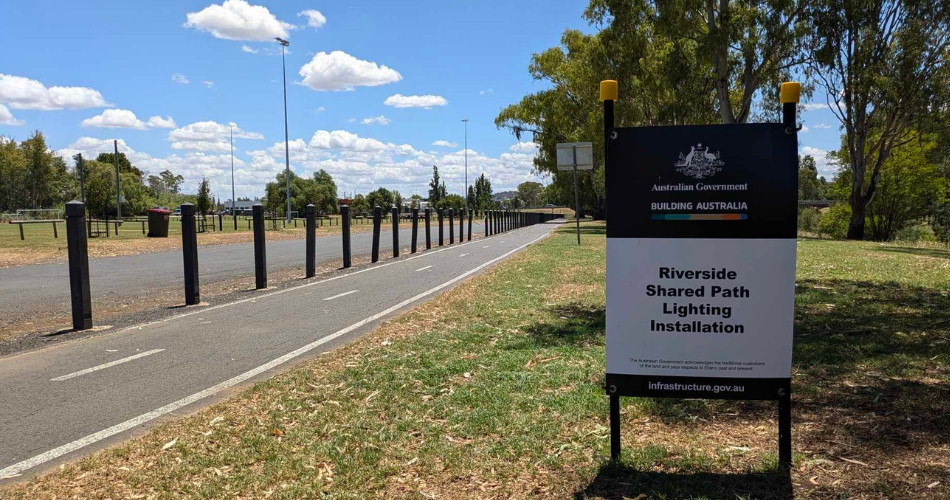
(494, 390)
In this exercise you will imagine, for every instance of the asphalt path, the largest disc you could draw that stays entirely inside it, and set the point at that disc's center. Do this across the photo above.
(69, 399)
(32, 289)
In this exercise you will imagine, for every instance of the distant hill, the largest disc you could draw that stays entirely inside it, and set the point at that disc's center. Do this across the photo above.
(504, 196)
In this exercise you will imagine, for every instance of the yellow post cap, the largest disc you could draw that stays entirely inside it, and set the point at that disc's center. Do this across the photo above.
(608, 90)
(790, 92)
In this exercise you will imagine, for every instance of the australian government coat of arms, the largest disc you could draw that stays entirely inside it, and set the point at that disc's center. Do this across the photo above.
(699, 163)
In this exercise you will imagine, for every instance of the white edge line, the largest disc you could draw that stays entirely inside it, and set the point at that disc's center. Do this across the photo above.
(106, 365)
(57, 452)
(341, 295)
(423, 268)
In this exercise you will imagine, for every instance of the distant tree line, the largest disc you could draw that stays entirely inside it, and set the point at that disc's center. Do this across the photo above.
(32, 176)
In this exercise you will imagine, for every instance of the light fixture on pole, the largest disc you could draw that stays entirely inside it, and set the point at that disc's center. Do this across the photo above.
(283, 46)
(233, 199)
(465, 194)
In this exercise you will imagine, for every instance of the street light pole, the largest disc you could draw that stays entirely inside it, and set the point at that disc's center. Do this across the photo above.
(465, 194)
(283, 46)
(233, 199)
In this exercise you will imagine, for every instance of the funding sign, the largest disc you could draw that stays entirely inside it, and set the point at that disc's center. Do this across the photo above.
(701, 240)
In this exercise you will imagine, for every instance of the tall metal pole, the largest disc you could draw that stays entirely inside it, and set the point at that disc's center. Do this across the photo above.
(577, 198)
(118, 186)
(283, 46)
(82, 179)
(233, 199)
(465, 194)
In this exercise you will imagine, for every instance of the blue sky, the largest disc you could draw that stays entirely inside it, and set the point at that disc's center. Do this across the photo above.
(376, 90)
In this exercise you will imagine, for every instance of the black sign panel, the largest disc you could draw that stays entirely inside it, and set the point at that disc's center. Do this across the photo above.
(710, 181)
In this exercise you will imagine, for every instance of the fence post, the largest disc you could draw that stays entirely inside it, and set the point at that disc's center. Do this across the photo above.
(377, 221)
(428, 236)
(451, 226)
(440, 226)
(345, 219)
(189, 247)
(260, 257)
(311, 241)
(78, 251)
(485, 213)
(395, 212)
(415, 229)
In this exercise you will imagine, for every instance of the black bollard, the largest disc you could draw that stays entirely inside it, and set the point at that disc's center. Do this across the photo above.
(485, 213)
(78, 251)
(189, 250)
(440, 226)
(451, 226)
(395, 213)
(415, 229)
(471, 213)
(311, 241)
(260, 257)
(461, 225)
(377, 221)
(345, 218)
(428, 236)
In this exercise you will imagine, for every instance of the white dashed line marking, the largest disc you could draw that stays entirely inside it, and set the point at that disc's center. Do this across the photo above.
(341, 295)
(106, 365)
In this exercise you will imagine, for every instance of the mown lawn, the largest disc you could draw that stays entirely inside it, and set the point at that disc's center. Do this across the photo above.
(495, 391)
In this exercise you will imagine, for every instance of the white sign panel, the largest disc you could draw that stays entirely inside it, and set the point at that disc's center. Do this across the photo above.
(700, 307)
(565, 155)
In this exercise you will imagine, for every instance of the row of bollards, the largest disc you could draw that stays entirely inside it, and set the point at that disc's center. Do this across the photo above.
(496, 221)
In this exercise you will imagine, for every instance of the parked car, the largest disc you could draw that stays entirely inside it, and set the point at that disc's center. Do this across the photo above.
(177, 211)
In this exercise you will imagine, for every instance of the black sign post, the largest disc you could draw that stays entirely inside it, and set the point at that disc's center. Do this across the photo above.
(701, 268)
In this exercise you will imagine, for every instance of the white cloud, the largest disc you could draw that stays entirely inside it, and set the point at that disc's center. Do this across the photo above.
(159, 122)
(813, 106)
(238, 20)
(381, 119)
(115, 118)
(19, 92)
(445, 144)
(207, 136)
(321, 109)
(180, 78)
(314, 18)
(249, 50)
(6, 117)
(486, 91)
(341, 139)
(822, 126)
(524, 147)
(341, 71)
(805, 129)
(209, 84)
(415, 101)
(823, 163)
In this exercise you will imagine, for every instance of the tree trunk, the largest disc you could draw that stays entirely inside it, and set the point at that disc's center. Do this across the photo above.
(858, 213)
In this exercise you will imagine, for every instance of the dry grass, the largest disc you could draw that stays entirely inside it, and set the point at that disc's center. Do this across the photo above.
(495, 391)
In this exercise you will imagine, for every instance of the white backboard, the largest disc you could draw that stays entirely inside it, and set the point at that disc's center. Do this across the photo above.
(565, 155)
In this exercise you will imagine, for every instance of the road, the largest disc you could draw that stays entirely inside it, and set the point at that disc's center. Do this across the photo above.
(68, 399)
(35, 289)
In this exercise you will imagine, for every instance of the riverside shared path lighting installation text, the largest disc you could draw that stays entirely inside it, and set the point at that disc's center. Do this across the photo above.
(691, 309)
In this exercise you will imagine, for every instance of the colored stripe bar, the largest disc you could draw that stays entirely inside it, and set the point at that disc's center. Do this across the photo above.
(699, 216)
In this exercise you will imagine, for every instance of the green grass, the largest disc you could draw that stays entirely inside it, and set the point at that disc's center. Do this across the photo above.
(495, 391)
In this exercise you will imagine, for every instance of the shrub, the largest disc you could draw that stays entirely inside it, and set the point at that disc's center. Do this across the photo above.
(809, 220)
(914, 233)
(836, 220)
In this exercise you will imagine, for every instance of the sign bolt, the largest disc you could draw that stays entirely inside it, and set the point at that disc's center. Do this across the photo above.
(781, 392)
